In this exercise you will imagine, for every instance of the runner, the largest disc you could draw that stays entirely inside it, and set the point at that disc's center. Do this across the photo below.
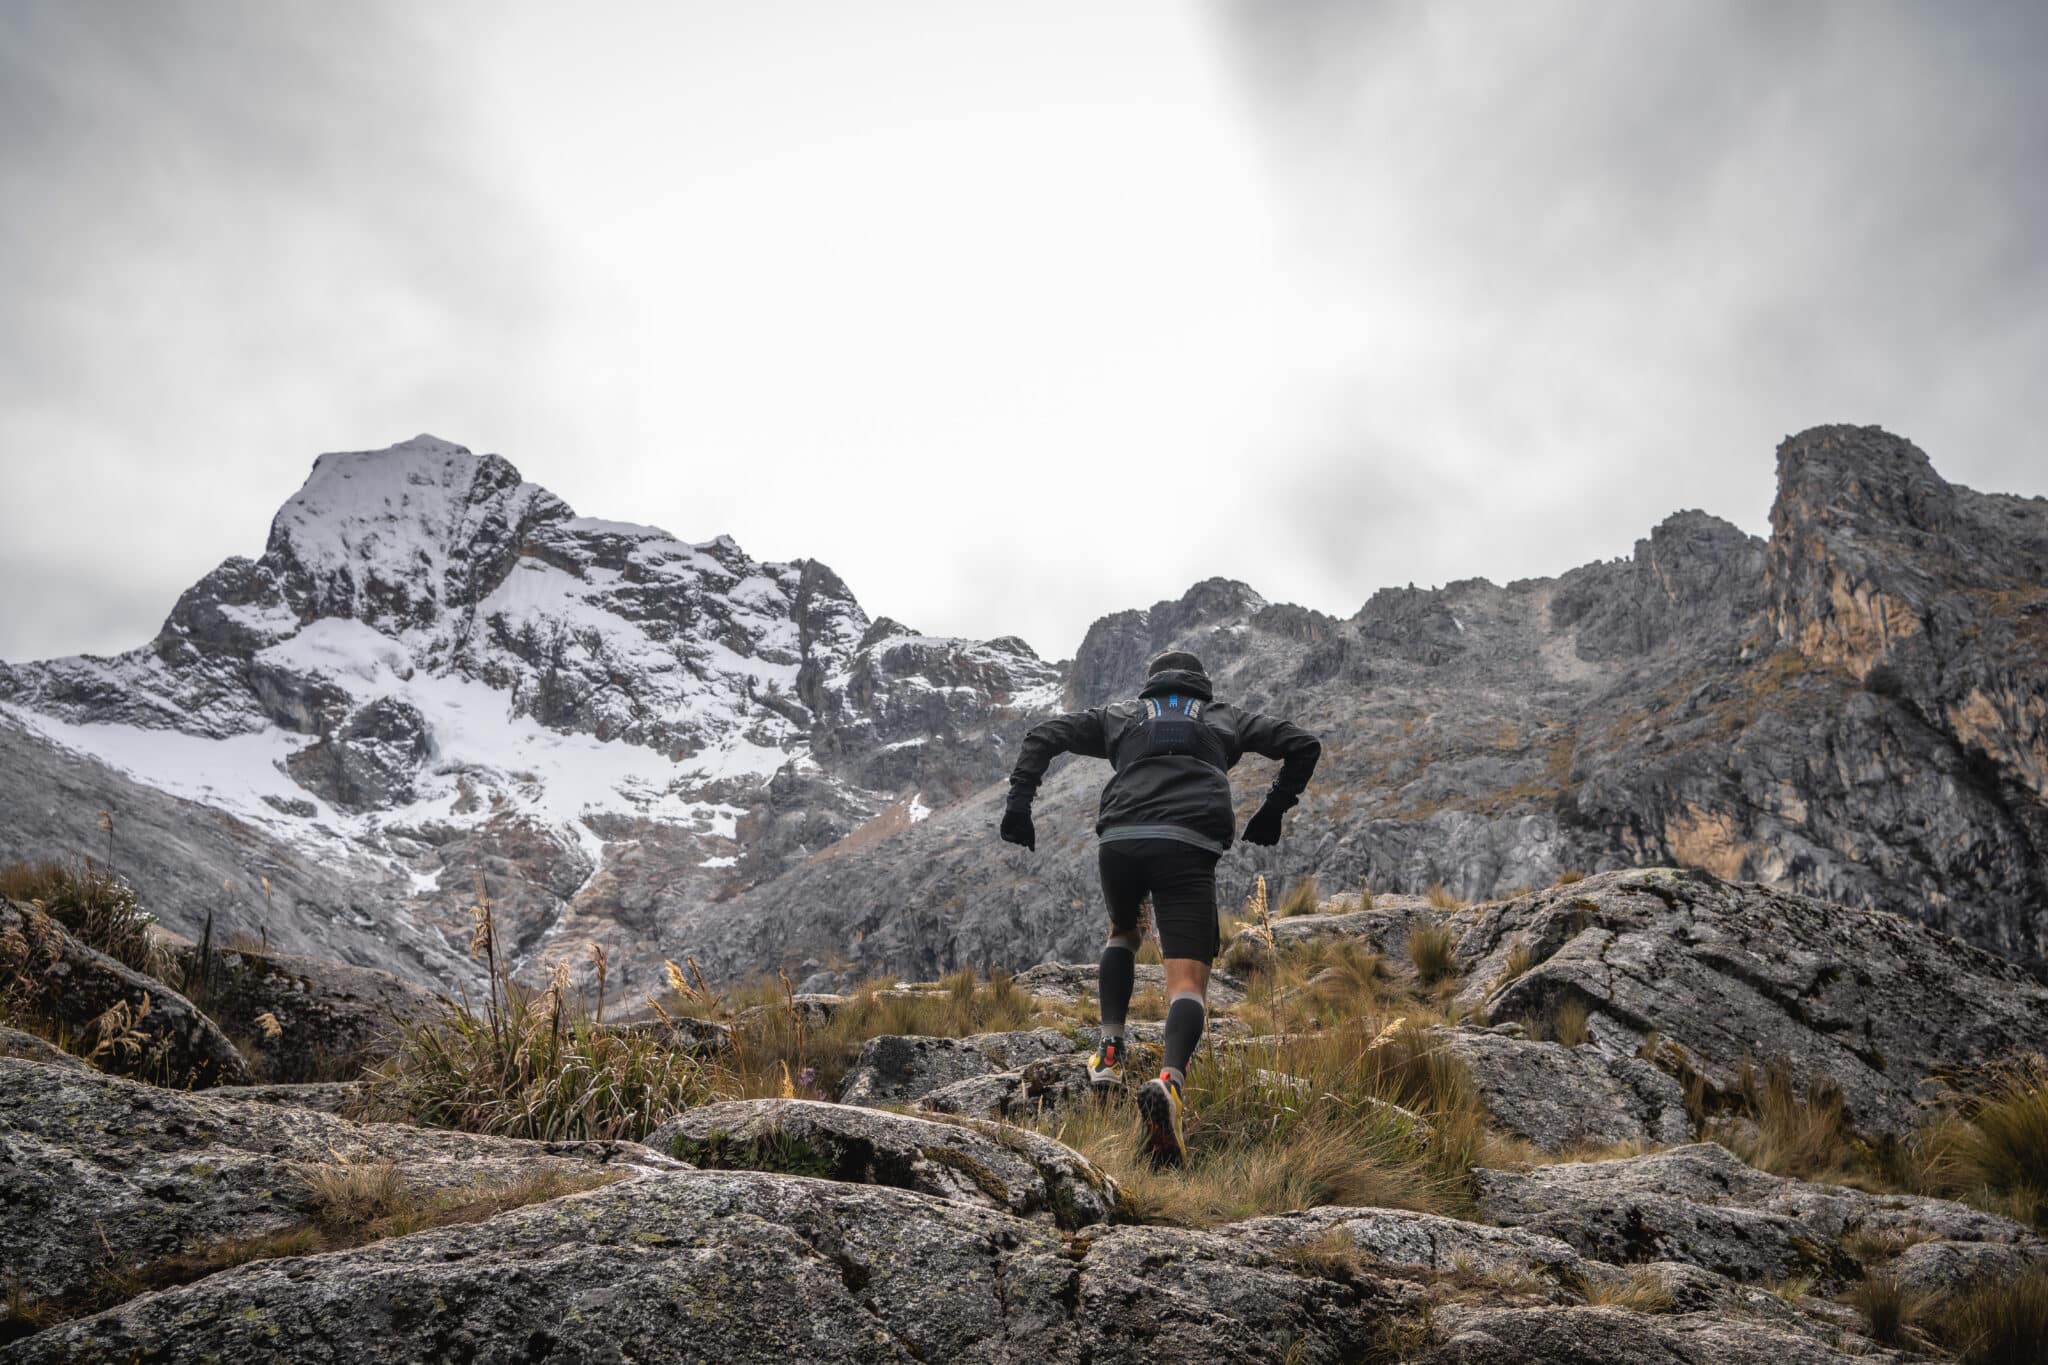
(1165, 820)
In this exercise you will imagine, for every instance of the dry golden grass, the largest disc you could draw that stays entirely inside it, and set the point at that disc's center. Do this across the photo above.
(1430, 950)
(1795, 1132)
(1333, 1256)
(1361, 1113)
(93, 906)
(1302, 898)
(1997, 1324)
(1642, 1292)
(1569, 876)
(2003, 1149)
(1521, 957)
(346, 1193)
(530, 1064)
(1441, 899)
(1568, 1025)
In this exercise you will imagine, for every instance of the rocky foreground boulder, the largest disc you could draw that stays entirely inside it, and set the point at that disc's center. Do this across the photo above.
(132, 1024)
(783, 1230)
(752, 1266)
(105, 1176)
(308, 1018)
(966, 1161)
(1720, 980)
(1699, 1205)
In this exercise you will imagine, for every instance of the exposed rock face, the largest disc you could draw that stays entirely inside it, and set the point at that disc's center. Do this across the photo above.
(26, 1047)
(990, 1165)
(1561, 1097)
(1022, 1093)
(746, 1266)
(899, 1069)
(1731, 976)
(1701, 1206)
(1769, 710)
(98, 1168)
(1511, 1336)
(328, 1015)
(151, 1031)
(675, 749)
(438, 669)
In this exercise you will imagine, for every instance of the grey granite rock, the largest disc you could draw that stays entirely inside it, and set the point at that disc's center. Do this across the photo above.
(26, 1047)
(1702, 1206)
(1733, 976)
(743, 1266)
(1561, 1097)
(1039, 1089)
(1402, 1239)
(901, 1068)
(329, 1097)
(1943, 1268)
(1607, 1336)
(330, 1018)
(133, 1024)
(102, 1172)
(967, 1161)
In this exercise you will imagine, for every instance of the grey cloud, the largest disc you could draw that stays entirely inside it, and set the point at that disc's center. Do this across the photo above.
(235, 233)
(1661, 236)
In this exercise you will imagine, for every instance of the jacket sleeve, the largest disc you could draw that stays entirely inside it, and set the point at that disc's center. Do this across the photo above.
(1295, 747)
(1078, 733)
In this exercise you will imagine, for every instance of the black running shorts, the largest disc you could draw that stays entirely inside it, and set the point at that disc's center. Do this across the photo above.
(1182, 881)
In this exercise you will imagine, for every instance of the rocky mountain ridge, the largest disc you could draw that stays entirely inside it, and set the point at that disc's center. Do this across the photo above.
(938, 1211)
(436, 670)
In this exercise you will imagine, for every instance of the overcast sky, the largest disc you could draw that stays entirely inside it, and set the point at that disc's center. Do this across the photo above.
(1013, 314)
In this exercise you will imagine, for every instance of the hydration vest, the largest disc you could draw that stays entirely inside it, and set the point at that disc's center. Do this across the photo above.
(1171, 727)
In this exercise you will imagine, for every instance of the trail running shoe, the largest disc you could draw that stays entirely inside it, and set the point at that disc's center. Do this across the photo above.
(1106, 1067)
(1159, 1104)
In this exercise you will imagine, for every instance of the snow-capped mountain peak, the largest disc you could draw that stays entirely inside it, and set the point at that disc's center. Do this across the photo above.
(436, 665)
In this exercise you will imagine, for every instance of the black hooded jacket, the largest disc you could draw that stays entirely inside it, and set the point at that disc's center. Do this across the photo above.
(1172, 796)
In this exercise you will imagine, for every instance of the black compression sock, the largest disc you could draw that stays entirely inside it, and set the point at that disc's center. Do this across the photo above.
(1184, 1018)
(1114, 980)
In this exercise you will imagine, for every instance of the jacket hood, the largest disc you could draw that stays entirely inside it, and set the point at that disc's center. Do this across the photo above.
(1179, 680)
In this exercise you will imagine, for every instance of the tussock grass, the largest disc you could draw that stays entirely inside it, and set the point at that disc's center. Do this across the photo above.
(1521, 957)
(1997, 1324)
(1990, 1150)
(93, 906)
(1642, 1292)
(1569, 876)
(1888, 1310)
(1303, 898)
(1441, 899)
(1361, 1113)
(347, 1193)
(779, 1048)
(1794, 1132)
(2001, 1151)
(1568, 1025)
(530, 1064)
(1333, 1256)
(1430, 950)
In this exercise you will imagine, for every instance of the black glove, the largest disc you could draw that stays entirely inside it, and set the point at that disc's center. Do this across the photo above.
(1264, 826)
(1017, 829)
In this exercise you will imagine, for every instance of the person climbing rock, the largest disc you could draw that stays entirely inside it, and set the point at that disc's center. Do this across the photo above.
(1166, 819)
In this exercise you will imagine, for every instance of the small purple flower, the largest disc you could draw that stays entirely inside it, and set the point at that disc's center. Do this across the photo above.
(808, 1077)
